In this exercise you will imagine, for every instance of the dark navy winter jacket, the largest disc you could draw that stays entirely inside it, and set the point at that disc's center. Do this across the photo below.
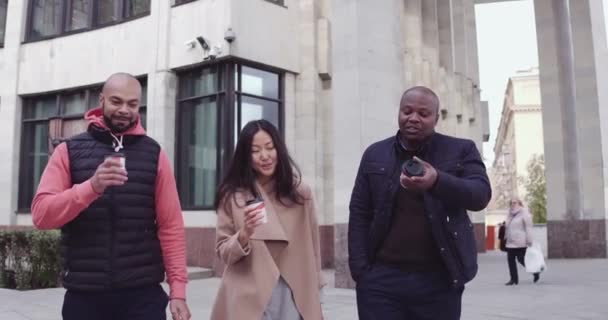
(462, 184)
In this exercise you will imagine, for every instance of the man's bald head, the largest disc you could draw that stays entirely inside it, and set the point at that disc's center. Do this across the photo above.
(418, 115)
(421, 90)
(120, 98)
(120, 79)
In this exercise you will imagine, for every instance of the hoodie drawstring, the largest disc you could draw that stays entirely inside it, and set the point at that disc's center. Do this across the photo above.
(117, 143)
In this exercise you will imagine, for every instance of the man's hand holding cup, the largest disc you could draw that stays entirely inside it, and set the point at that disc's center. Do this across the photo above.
(111, 172)
(423, 177)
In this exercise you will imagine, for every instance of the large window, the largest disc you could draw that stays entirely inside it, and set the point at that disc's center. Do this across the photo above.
(43, 120)
(257, 96)
(214, 103)
(48, 120)
(50, 18)
(3, 9)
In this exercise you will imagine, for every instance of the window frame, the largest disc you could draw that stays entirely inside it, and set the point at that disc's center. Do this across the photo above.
(144, 84)
(92, 23)
(3, 27)
(280, 3)
(220, 96)
(175, 3)
(67, 8)
(135, 16)
(228, 95)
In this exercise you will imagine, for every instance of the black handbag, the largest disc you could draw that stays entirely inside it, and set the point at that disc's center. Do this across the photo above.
(501, 237)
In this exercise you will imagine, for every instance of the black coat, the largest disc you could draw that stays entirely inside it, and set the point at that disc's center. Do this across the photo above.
(462, 184)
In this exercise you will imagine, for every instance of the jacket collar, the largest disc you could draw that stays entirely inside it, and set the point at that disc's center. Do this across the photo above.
(421, 150)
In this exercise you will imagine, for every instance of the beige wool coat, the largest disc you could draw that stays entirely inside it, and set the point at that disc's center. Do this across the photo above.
(290, 237)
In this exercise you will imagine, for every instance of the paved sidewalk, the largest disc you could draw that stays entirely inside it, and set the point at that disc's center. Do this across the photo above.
(569, 289)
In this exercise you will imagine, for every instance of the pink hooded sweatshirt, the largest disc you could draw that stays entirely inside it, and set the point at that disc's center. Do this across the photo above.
(58, 202)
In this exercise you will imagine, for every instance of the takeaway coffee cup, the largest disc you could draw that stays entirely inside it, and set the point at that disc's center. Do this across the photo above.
(121, 157)
(412, 168)
(258, 203)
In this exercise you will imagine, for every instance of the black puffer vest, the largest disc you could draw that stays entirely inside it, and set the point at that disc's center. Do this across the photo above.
(113, 243)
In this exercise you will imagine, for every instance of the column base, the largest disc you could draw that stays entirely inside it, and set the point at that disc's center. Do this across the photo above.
(577, 239)
(480, 236)
(343, 278)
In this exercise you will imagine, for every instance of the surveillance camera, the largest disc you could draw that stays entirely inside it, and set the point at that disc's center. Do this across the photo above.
(203, 43)
(190, 44)
(229, 35)
(214, 53)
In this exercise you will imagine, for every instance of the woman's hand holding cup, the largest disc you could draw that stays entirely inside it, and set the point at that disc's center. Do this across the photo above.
(255, 215)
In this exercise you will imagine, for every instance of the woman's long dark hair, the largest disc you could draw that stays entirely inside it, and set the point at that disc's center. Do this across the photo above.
(241, 175)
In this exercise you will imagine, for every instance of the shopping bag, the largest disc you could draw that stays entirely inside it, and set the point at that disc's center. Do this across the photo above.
(535, 262)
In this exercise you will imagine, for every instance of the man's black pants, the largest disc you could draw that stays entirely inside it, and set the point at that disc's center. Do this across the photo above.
(387, 293)
(146, 303)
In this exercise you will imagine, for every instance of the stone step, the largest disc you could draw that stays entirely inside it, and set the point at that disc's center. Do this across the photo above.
(196, 273)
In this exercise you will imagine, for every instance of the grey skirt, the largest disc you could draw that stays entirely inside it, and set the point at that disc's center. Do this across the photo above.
(281, 305)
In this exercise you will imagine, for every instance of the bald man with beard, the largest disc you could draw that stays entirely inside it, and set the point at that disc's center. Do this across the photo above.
(112, 193)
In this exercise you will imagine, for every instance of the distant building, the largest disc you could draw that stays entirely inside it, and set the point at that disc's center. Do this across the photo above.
(519, 136)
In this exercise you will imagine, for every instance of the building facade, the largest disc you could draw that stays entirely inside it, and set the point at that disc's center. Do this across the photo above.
(519, 137)
(329, 74)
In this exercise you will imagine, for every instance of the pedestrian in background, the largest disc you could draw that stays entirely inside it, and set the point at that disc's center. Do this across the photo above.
(518, 234)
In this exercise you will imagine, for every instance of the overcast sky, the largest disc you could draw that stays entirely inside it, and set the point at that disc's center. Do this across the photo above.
(506, 40)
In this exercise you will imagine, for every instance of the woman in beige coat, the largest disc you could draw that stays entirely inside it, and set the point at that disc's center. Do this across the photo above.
(270, 251)
(518, 233)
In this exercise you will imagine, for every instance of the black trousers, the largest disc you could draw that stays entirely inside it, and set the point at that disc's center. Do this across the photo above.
(512, 255)
(146, 303)
(387, 293)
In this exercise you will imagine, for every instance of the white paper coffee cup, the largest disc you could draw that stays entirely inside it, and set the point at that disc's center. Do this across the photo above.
(120, 157)
(257, 204)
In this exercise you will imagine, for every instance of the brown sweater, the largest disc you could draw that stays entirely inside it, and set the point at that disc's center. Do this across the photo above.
(409, 244)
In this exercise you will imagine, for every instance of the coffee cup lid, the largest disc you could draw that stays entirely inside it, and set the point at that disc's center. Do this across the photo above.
(251, 201)
(116, 154)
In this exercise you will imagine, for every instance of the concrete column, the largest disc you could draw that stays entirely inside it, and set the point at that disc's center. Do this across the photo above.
(471, 40)
(446, 34)
(162, 82)
(572, 51)
(430, 31)
(451, 48)
(311, 146)
(460, 39)
(587, 97)
(366, 93)
(552, 105)
(590, 72)
(306, 148)
(162, 95)
(413, 28)
(10, 112)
